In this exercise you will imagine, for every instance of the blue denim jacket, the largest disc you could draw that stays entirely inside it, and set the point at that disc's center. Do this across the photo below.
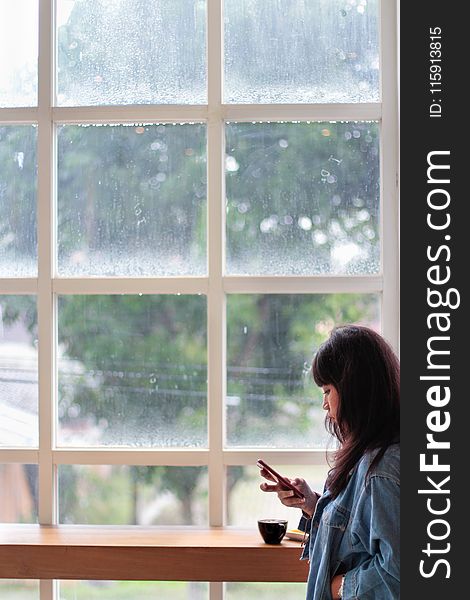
(358, 534)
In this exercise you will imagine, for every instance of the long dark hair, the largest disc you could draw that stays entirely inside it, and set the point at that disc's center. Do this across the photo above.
(363, 368)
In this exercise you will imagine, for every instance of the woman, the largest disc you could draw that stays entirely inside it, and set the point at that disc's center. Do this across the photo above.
(354, 530)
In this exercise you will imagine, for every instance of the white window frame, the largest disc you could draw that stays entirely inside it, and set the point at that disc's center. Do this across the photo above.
(216, 285)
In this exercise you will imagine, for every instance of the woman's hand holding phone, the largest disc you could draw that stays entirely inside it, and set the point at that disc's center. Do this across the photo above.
(288, 497)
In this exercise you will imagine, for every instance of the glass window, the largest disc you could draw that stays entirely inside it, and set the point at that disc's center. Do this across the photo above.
(19, 589)
(18, 53)
(18, 371)
(131, 52)
(19, 493)
(132, 200)
(125, 495)
(132, 371)
(302, 198)
(271, 339)
(150, 196)
(294, 52)
(137, 590)
(18, 182)
(265, 591)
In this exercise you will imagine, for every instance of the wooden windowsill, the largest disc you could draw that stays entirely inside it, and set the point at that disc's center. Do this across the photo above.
(136, 553)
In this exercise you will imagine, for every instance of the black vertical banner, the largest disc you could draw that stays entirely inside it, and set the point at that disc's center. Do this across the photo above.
(435, 268)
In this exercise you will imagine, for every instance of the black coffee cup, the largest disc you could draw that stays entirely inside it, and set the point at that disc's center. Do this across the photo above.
(272, 530)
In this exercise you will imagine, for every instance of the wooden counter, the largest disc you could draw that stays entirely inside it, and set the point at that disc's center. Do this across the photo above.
(125, 553)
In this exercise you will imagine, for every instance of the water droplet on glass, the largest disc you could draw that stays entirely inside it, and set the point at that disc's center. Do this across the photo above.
(231, 164)
(363, 215)
(245, 330)
(338, 161)
(348, 135)
(356, 134)
(269, 224)
(324, 173)
(283, 143)
(325, 132)
(319, 237)
(305, 223)
(19, 158)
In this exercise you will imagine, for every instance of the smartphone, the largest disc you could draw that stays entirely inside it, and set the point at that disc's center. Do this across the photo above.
(279, 478)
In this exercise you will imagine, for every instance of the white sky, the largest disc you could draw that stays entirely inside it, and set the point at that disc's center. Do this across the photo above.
(19, 33)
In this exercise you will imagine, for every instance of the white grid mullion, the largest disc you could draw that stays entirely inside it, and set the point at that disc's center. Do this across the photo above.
(19, 455)
(20, 285)
(144, 285)
(216, 300)
(47, 512)
(133, 113)
(389, 172)
(18, 116)
(302, 285)
(302, 112)
(275, 457)
(151, 458)
(200, 285)
(194, 113)
(48, 589)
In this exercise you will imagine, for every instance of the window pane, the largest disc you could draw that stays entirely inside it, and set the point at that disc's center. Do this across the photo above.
(18, 181)
(131, 52)
(272, 400)
(132, 200)
(124, 495)
(135, 590)
(265, 591)
(316, 51)
(19, 589)
(18, 53)
(18, 371)
(247, 503)
(132, 371)
(19, 493)
(303, 198)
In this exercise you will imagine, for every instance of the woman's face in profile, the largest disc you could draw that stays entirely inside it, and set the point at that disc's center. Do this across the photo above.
(330, 400)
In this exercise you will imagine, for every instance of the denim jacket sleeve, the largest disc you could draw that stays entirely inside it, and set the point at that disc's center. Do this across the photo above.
(376, 526)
